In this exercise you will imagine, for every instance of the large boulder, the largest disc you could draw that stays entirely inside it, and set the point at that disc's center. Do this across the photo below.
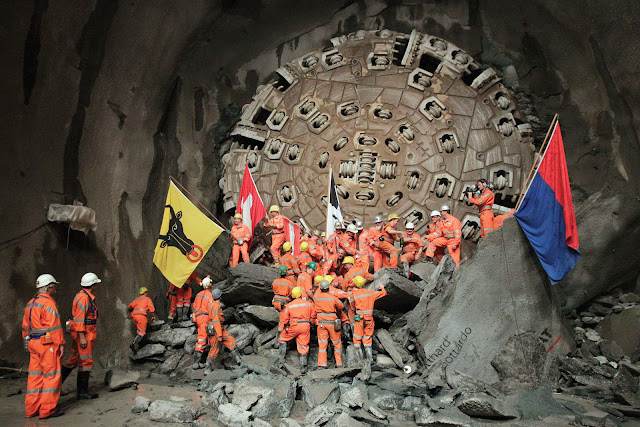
(500, 292)
(171, 337)
(623, 329)
(609, 250)
(248, 283)
(243, 334)
(260, 315)
(274, 395)
(165, 411)
(402, 293)
(117, 379)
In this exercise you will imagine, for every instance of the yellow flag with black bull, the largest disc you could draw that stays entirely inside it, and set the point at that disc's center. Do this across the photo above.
(185, 237)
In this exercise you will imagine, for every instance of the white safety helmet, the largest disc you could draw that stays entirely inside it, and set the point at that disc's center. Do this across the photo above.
(45, 280)
(337, 225)
(89, 279)
(359, 225)
(410, 226)
(435, 213)
(351, 228)
(377, 219)
(206, 282)
(445, 208)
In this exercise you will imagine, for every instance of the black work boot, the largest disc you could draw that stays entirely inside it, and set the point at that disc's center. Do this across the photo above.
(135, 345)
(303, 363)
(405, 269)
(236, 356)
(83, 386)
(369, 352)
(59, 412)
(283, 351)
(65, 373)
(196, 360)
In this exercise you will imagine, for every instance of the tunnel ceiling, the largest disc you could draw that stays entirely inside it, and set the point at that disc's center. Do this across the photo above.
(408, 122)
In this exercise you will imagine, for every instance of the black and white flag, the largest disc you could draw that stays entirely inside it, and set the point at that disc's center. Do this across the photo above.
(333, 207)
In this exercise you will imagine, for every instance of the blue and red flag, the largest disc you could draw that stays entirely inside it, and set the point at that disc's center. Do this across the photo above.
(546, 212)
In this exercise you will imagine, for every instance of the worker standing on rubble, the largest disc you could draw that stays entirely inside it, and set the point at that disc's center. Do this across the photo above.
(435, 251)
(349, 241)
(180, 298)
(327, 307)
(484, 201)
(44, 340)
(200, 317)
(388, 238)
(373, 236)
(361, 301)
(84, 335)
(304, 258)
(277, 234)
(452, 230)
(218, 333)
(315, 247)
(411, 249)
(296, 323)
(282, 287)
(333, 241)
(240, 235)
(139, 309)
(305, 280)
(290, 261)
(355, 266)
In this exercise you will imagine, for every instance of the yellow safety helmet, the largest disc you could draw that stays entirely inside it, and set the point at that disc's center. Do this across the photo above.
(238, 215)
(142, 290)
(318, 279)
(359, 281)
(296, 292)
(348, 260)
(304, 246)
(328, 278)
(323, 234)
(274, 208)
(393, 216)
(286, 246)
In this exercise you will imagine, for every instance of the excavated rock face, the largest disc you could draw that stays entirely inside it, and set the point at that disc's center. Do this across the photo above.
(407, 122)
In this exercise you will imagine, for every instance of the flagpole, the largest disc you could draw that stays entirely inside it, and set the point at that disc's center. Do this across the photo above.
(194, 198)
(545, 143)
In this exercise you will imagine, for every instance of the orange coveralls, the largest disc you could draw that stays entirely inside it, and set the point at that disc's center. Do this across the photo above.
(240, 232)
(316, 250)
(85, 315)
(281, 296)
(181, 296)
(327, 306)
(331, 264)
(484, 202)
(360, 268)
(361, 301)
(451, 235)
(277, 236)
(292, 265)
(497, 221)
(305, 282)
(296, 320)
(386, 246)
(139, 309)
(411, 248)
(42, 322)
(222, 336)
(348, 243)
(373, 236)
(333, 242)
(434, 232)
(303, 259)
(201, 306)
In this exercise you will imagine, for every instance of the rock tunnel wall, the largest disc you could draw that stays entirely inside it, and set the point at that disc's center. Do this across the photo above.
(103, 100)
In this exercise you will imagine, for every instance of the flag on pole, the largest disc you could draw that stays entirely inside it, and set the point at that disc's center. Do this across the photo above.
(250, 203)
(186, 234)
(546, 213)
(292, 235)
(333, 206)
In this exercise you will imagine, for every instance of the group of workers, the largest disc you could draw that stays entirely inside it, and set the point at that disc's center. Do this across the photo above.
(44, 340)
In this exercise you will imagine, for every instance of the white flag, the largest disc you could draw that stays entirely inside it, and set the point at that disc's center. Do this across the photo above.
(333, 206)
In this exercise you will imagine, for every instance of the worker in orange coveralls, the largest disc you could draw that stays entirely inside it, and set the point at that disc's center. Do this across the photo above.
(290, 261)
(328, 306)
(240, 235)
(373, 236)
(218, 333)
(304, 258)
(411, 249)
(296, 323)
(451, 238)
(355, 266)
(484, 201)
(333, 241)
(139, 308)
(44, 339)
(200, 316)
(349, 241)
(277, 235)
(434, 231)
(84, 335)
(361, 301)
(498, 220)
(282, 287)
(388, 238)
(305, 280)
(180, 299)
(315, 247)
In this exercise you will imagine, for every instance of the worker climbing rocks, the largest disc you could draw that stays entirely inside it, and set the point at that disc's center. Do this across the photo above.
(277, 235)
(373, 236)
(290, 261)
(44, 340)
(139, 310)
(328, 307)
(296, 322)
(484, 201)
(84, 335)
(388, 238)
(180, 298)
(240, 235)
(361, 301)
(200, 317)
(218, 333)
(305, 280)
(451, 238)
(304, 258)
(412, 248)
(435, 251)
